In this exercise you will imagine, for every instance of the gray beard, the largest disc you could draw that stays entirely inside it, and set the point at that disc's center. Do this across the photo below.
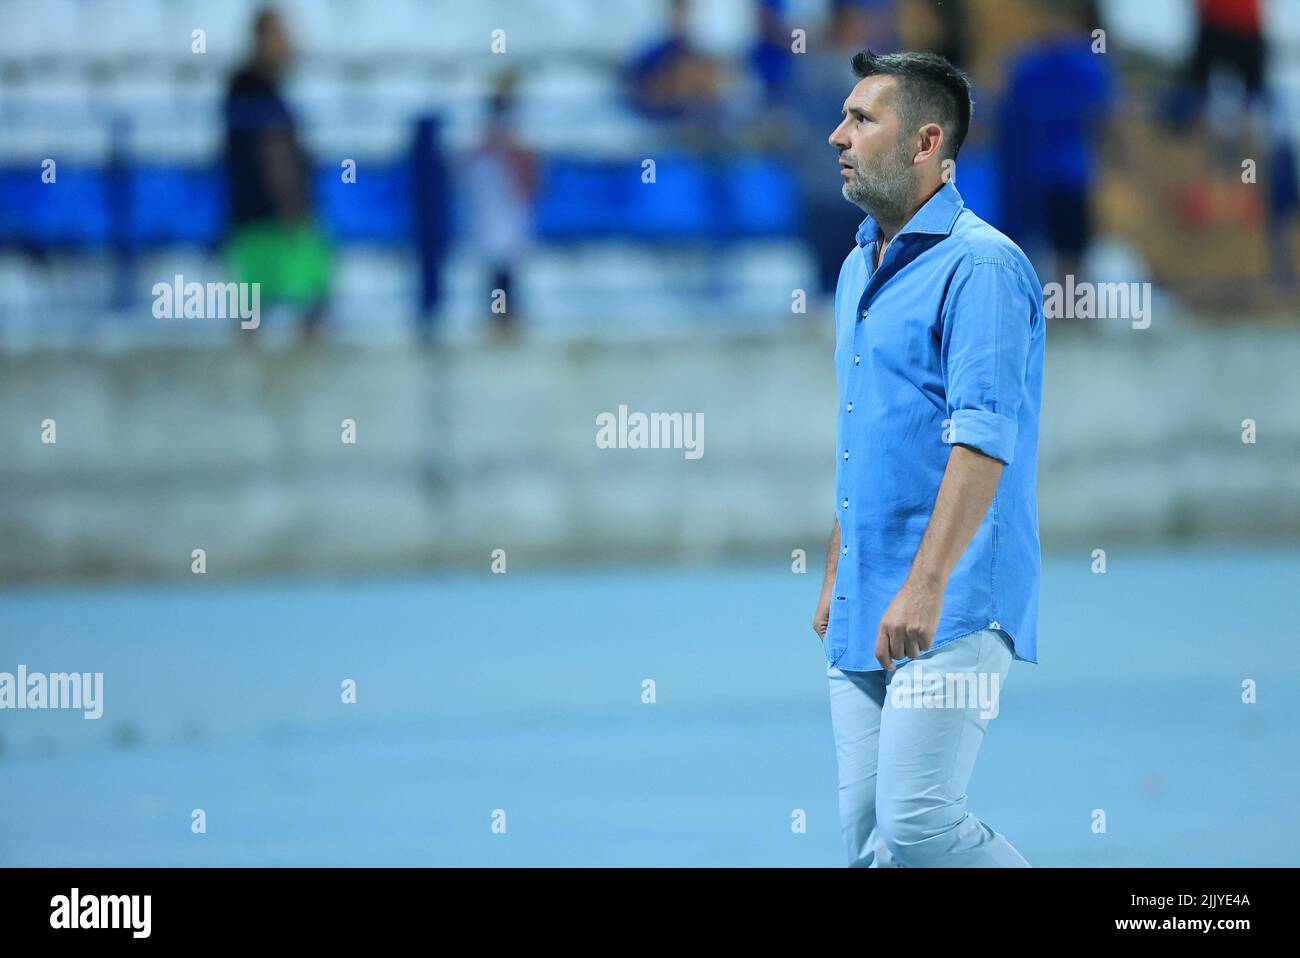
(885, 195)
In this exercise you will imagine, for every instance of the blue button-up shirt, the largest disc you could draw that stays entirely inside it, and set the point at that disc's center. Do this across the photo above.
(942, 344)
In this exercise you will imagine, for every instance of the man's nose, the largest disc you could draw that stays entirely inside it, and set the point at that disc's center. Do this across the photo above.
(835, 140)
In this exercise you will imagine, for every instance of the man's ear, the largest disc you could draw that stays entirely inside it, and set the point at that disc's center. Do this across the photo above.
(930, 139)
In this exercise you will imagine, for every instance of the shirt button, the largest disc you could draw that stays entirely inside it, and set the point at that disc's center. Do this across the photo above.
(844, 551)
(857, 360)
(846, 454)
(850, 407)
(864, 314)
(846, 503)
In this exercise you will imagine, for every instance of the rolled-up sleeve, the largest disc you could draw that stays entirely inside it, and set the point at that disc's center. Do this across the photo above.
(988, 319)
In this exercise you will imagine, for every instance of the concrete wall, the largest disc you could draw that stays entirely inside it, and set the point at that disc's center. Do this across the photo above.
(463, 451)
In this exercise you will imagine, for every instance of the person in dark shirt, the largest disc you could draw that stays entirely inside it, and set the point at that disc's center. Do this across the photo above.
(672, 80)
(1052, 120)
(273, 239)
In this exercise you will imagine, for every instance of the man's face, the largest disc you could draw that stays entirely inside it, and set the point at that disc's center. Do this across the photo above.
(875, 163)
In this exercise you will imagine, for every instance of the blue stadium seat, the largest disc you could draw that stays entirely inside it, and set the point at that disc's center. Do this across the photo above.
(155, 205)
(374, 209)
(690, 200)
(72, 212)
(179, 206)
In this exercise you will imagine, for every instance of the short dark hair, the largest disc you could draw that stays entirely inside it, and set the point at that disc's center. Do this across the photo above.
(930, 89)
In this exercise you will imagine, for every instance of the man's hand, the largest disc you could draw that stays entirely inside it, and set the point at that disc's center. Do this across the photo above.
(822, 618)
(908, 625)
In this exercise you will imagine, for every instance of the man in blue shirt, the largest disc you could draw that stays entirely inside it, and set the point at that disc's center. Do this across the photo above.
(933, 572)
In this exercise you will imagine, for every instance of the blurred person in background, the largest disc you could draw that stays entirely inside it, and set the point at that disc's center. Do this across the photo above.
(273, 240)
(676, 83)
(1229, 36)
(935, 26)
(1236, 119)
(1229, 45)
(812, 98)
(431, 209)
(501, 187)
(769, 58)
(1057, 96)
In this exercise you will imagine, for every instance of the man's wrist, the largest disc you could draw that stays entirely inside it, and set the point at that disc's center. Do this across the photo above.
(929, 577)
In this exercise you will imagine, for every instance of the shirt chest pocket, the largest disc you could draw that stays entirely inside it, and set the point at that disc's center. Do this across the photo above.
(902, 339)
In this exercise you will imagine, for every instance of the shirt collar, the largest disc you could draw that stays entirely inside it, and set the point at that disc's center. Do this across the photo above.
(936, 215)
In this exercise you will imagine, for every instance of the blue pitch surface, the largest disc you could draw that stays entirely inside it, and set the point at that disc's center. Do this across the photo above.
(522, 692)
